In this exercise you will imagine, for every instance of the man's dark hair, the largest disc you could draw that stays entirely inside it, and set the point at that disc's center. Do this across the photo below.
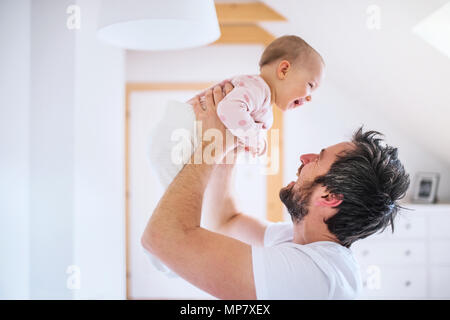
(371, 179)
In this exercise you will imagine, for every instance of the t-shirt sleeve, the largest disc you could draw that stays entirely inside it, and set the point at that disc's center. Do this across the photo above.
(284, 272)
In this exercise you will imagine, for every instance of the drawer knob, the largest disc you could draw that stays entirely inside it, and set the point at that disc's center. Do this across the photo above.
(365, 252)
(407, 283)
(408, 252)
(408, 226)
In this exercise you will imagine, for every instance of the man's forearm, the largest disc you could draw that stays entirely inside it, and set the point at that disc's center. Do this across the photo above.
(179, 210)
(219, 204)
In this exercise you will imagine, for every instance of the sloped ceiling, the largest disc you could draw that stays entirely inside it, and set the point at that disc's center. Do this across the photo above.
(390, 70)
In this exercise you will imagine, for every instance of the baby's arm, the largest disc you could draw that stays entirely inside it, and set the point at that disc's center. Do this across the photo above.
(235, 112)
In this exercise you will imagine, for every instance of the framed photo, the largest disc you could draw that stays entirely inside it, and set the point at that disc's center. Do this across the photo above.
(426, 185)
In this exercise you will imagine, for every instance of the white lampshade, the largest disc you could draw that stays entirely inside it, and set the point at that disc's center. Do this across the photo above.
(158, 24)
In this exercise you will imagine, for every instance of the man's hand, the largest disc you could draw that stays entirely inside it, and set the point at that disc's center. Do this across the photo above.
(207, 113)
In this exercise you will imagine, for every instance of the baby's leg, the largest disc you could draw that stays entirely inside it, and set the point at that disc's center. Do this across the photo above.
(172, 141)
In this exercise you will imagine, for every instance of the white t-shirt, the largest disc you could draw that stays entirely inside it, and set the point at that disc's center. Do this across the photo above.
(320, 270)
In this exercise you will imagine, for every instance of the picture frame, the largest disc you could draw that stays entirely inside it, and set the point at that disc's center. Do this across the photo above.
(425, 187)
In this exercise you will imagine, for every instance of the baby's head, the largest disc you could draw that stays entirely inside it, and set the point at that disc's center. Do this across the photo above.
(292, 69)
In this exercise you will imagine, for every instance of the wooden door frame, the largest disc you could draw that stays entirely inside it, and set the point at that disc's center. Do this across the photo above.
(273, 184)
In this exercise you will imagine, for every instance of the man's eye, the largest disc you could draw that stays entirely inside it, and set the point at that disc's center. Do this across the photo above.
(311, 85)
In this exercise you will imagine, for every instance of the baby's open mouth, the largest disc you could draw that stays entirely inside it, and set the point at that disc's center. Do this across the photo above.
(296, 103)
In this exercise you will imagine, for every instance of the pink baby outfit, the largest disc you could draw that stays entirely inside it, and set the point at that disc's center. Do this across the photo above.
(247, 112)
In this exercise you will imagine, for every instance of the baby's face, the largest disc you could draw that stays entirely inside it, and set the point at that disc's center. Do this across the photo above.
(296, 89)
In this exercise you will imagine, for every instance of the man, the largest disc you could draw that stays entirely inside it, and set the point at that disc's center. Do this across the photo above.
(345, 193)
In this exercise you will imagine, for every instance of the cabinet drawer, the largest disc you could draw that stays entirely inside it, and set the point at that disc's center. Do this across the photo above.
(440, 282)
(390, 252)
(440, 225)
(386, 282)
(408, 225)
(440, 252)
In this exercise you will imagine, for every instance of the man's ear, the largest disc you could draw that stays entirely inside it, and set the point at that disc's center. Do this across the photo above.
(330, 200)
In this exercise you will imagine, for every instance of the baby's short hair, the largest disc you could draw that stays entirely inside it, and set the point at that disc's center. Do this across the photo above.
(291, 48)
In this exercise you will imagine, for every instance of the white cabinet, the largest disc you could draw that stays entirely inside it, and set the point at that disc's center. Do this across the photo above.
(411, 263)
(440, 252)
(408, 225)
(394, 282)
(391, 252)
(440, 282)
(440, 225)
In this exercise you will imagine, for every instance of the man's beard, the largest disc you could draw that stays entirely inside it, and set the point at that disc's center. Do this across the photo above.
(297, 203)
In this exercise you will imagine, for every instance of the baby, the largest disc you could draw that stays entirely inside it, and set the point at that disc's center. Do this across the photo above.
(290, 70)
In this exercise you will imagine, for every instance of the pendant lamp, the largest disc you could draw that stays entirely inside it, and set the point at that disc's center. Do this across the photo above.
(158, 24)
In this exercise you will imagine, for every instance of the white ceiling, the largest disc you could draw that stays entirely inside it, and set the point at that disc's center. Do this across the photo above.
(390, 70)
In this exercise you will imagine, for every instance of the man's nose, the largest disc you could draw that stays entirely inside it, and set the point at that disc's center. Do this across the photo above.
(306, 158)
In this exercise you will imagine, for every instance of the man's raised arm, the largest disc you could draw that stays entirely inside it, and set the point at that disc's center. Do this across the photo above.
(221, 212)
(217, 264)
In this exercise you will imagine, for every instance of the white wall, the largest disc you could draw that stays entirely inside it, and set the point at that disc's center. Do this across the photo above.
(14, 148)
(62, 146)
(99, 185)
(390, 70)
(211, 63)
(52, 153)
